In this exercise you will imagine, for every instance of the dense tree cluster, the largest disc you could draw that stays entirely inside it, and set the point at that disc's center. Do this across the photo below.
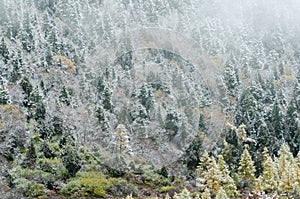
(279, 175)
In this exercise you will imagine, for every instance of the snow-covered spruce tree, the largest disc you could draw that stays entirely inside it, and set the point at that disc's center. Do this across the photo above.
(286, 170)
(292, 127)
(231, 79)
(246, 171)
(4, 96)
(184, 194)
(248, 111)
(277, 121)
(227, 182)
(297, 182)
(146, 96)
(167, 196)
(258, 186)
(213, 177)
(30, 155)
(206, 194)
(64, 96)
(201, 169)
(221, 194)
(70, 159)
(269, 175)
(4, 51)
(232, 151)
(107, 103)
(123, 140)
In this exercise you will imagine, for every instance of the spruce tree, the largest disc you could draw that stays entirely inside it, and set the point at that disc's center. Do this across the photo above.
(292, 130)
(26, 86)
(184, 194)
(31, 155)
(167, 196)
(227, 182)
(213, 177)
(204, 163)
(4, 51)
(277, 121)
(65, 96)
(231, 79)
(297, 181)
(221, 194)
(71, 159)
(258, 185)
(201, 169)
(265, 138)
(286, 169)
(246, 171)
(107, 103)
(206, 194)
(268, 176)
(248, 111)
(4, 96)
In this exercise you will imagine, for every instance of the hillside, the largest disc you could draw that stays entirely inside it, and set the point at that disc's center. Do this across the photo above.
(111, 98)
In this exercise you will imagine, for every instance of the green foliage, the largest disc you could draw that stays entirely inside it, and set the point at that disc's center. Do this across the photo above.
(33, 175)
(213, 177)
(71, 159)
(203, 166)
(146, 96)
(184, 194)
(107, 103)
(54, 166)
(100, 85)
(202, 124)
(126, 61)
(57, 124)
(153, 180)
(193, 153)
(88, 184)
(248, 110)
(232, 150)
(166, 189)
(26, 86)
(206, 194)
(121, 187)
(292, 134)
(65, 96)
(4, 51)
(30, 156)
(171, 123)
(4, 96)
(227, 182)
(246, 171)
(231, 79)
(221, 194)
(16, 64)
(269, 175)
(40, 111)
(286, 169)
(30, 188)
(100, 114)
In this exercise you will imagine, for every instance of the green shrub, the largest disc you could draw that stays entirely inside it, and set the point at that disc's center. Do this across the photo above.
(123, 188)
(90, 184)
(37, 176)
(53, 166)
(30, 188)
(153, 179)
(71, 159)
(166, 189)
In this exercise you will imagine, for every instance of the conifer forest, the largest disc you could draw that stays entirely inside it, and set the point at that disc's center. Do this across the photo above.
(146, 99)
